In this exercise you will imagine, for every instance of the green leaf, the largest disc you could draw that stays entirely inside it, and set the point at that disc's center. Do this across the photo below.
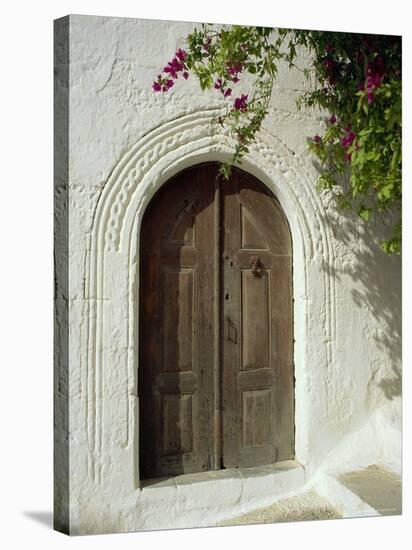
(364, 213)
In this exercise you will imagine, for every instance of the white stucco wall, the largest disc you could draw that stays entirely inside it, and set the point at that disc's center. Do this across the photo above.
(123, 143)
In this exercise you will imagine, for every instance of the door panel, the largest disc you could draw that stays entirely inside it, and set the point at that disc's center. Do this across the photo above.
(178, 318)
(216, 333)
(254, 317)
(250, 236)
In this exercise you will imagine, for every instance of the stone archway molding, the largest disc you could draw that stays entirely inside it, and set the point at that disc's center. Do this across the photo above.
(113, 268)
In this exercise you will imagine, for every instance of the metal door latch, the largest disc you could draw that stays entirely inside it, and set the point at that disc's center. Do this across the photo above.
(231, 331)
(257, 266)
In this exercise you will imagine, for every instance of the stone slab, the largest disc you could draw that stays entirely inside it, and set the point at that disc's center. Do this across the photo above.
(378, 487)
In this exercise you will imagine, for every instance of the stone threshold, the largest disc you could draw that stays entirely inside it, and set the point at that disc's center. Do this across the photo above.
(206, 498)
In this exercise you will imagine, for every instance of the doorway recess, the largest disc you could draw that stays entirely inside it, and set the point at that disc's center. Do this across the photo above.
(216, 327)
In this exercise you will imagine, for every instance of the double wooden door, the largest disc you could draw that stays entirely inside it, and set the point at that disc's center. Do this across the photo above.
(216, 384)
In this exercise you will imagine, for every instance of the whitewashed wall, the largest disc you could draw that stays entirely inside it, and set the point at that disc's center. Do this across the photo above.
(120, 143)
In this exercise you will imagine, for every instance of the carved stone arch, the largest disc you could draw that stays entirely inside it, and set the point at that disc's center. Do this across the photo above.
(112, 275)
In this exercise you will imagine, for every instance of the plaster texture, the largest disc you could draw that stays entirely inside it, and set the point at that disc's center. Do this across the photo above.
(116, 144)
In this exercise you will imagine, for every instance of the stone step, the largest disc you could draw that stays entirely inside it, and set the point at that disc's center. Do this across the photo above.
(372, 491)
(379, 488)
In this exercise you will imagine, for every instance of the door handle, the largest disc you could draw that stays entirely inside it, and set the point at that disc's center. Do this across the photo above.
(231, 331)
(257, 266)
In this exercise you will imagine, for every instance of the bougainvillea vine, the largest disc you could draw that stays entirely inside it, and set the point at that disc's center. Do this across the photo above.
(358, 80)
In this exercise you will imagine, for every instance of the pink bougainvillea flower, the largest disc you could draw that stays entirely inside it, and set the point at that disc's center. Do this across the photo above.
(218, 84)
(234, 68)
(373, 80)
(332, 119)
(228, 92)
(173, 67)
(347, 140)
(317, 139)
(167, 84)
(172, 70)
(240, 103)
(181, 54)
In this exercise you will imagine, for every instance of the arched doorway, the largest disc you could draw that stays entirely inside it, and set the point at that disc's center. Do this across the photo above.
(216, 383)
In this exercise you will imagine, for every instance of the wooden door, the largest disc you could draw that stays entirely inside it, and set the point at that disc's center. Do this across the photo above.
(216, 345)
(177, 327)
(257, 313)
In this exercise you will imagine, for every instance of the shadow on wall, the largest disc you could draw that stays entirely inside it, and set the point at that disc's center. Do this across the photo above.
(377, 286)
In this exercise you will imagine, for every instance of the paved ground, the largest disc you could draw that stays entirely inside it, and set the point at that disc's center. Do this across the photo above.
(381, 489)
(307, 506)
(375, 486)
